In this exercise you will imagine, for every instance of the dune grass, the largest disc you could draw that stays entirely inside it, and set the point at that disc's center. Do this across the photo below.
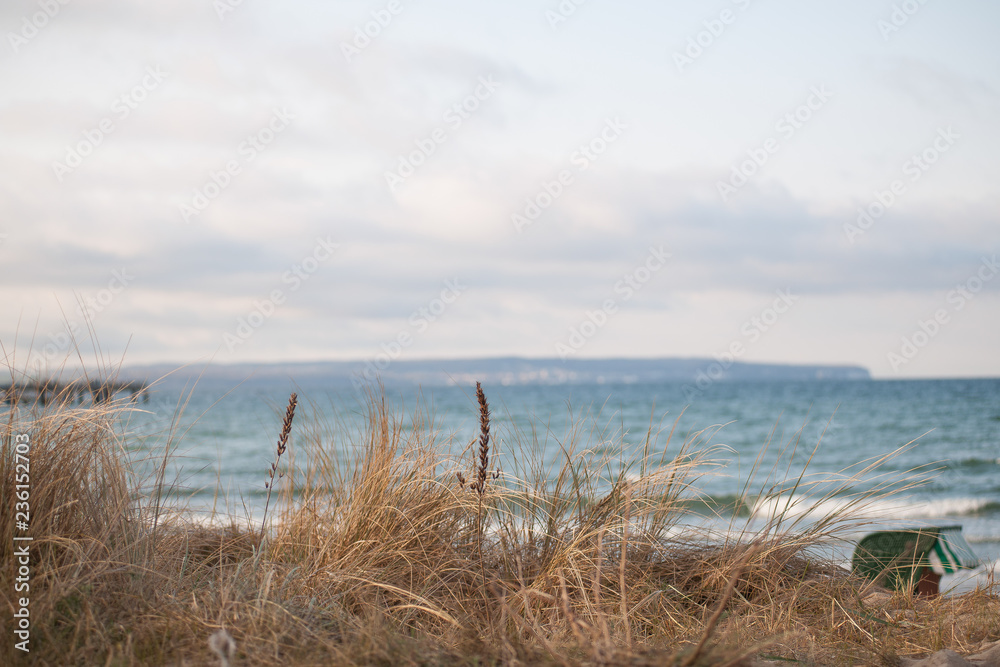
(403, 554)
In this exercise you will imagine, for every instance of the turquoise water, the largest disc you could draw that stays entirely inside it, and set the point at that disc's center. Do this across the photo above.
(228, 434)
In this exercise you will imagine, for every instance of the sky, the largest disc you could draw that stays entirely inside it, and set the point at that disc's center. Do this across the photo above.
(761, 180)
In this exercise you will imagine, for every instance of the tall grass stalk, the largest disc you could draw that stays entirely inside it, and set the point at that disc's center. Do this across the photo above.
(286, 431)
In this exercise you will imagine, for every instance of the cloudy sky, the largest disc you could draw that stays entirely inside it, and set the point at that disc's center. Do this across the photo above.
(241, 181)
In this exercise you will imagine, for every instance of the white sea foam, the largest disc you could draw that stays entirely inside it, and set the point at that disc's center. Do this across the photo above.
(805, 507)
(965, 581)
(941, 508)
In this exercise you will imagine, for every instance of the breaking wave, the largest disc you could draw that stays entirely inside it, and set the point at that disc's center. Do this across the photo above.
(803, 506)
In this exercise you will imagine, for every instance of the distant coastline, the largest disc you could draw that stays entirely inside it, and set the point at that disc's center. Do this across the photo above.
(507, 371)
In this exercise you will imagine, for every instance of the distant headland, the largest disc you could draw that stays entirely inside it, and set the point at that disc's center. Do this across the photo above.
(506, 371)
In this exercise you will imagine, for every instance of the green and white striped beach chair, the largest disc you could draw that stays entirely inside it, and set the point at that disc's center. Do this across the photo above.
(913, 558)
(951, 552)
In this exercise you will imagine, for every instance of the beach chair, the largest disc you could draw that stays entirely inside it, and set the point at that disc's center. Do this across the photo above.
(913, 558)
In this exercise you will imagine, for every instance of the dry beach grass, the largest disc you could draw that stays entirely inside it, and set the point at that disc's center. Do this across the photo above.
(390, 556)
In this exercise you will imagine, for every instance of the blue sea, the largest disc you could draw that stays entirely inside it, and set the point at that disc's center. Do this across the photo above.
(223, 440)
